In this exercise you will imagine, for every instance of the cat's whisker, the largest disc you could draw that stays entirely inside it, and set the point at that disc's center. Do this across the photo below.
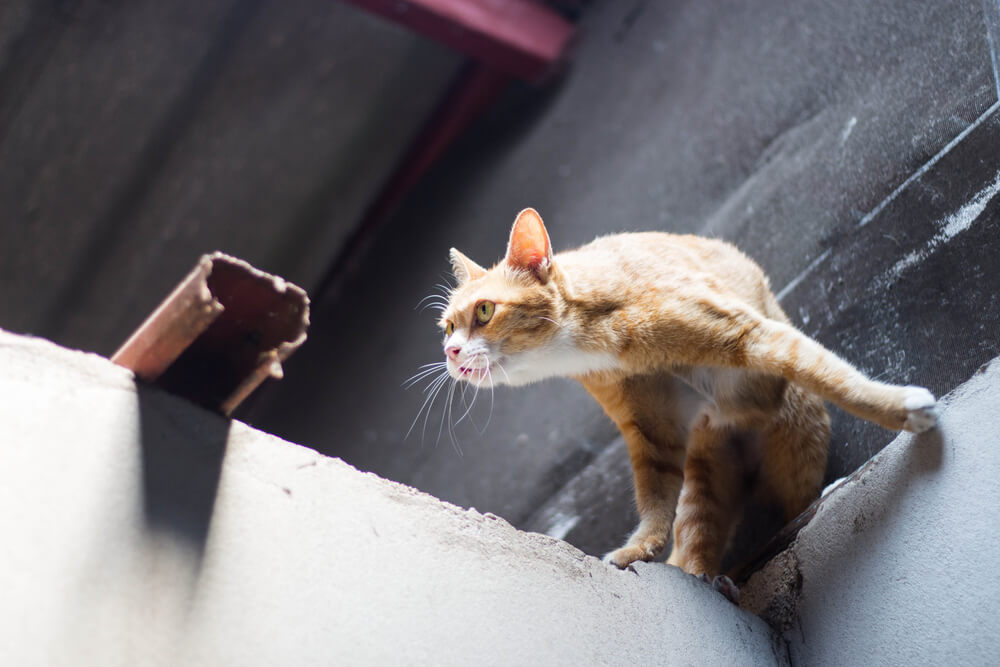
(549, 319)
(444, 375)
(468, 406)
(455, 422)
(432, 390)
(428, 368)
(439, 306)
(430, 387)
(475, 395)
(444, 382)
(451, 428)
(437, 391)
(417, 378)
(436, 301)
(465, 403)
(500, 366)
(445, 409)
(489, 375)
(430, 297)
(420, 375)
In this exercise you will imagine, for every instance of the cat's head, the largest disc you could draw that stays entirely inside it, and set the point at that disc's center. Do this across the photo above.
(501, 325)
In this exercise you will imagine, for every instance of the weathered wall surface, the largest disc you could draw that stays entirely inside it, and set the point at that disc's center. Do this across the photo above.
(849, 147)
(139, 529)
(137, 136)
(897, 567)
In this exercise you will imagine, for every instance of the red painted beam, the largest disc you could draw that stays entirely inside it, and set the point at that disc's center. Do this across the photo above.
(516, 37)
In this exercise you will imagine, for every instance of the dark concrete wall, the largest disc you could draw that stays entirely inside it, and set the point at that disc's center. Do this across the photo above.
(831, 141)
(136, 136)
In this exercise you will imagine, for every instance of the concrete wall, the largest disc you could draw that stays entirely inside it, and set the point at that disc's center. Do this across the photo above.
(138, 529)
(779, 126)
(136, 136)
(898, 565)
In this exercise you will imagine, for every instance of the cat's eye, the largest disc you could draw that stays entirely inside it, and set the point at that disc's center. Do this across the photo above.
(484, 311)
(449, 329)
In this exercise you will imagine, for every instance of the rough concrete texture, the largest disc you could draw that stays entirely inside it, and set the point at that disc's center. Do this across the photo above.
(137, 136)
(139, 529)
(779, 126)
(898, 565)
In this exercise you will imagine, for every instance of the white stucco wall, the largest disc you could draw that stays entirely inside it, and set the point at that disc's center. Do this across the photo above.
(138, 529)
(898, 567)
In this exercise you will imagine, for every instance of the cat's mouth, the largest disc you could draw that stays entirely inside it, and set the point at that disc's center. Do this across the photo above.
(476, 374)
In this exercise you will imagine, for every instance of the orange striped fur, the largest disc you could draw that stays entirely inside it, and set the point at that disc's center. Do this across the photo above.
(683, 344)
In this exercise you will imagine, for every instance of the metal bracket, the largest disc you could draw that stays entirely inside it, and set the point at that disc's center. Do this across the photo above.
(224, 329)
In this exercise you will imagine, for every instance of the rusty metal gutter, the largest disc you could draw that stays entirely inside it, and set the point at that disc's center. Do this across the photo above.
(224, 329)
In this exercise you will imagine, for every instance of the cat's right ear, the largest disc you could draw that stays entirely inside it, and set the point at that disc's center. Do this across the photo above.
(529, 248)
(463, 268)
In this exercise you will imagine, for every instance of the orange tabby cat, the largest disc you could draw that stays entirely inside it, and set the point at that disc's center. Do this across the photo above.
(681, 341)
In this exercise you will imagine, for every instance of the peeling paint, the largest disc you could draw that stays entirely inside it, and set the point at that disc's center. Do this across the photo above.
(951, 227)
(927, 165)
(991, 15)
(848, 128)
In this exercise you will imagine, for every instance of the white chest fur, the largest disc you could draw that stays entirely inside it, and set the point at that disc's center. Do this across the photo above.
(558, 357)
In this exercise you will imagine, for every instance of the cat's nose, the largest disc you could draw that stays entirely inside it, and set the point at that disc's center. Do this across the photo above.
(452, 352)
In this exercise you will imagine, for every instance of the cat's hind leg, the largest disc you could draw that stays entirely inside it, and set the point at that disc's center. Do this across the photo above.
(794, 453)
(710, 502)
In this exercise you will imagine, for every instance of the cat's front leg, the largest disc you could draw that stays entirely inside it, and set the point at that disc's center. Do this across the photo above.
(659, 476)
(645, 544)
(921, 409)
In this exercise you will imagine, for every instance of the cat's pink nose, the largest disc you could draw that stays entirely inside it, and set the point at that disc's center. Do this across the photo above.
(452, 352)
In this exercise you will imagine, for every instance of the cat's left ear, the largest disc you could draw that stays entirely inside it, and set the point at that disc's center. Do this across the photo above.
(464, 269)
(529, 246)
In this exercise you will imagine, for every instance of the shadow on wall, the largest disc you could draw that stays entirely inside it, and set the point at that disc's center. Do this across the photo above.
(182, 455)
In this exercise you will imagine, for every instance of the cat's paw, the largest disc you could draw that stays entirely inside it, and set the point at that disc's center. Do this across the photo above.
(921, 409)
(630, 553)
(724, 585)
